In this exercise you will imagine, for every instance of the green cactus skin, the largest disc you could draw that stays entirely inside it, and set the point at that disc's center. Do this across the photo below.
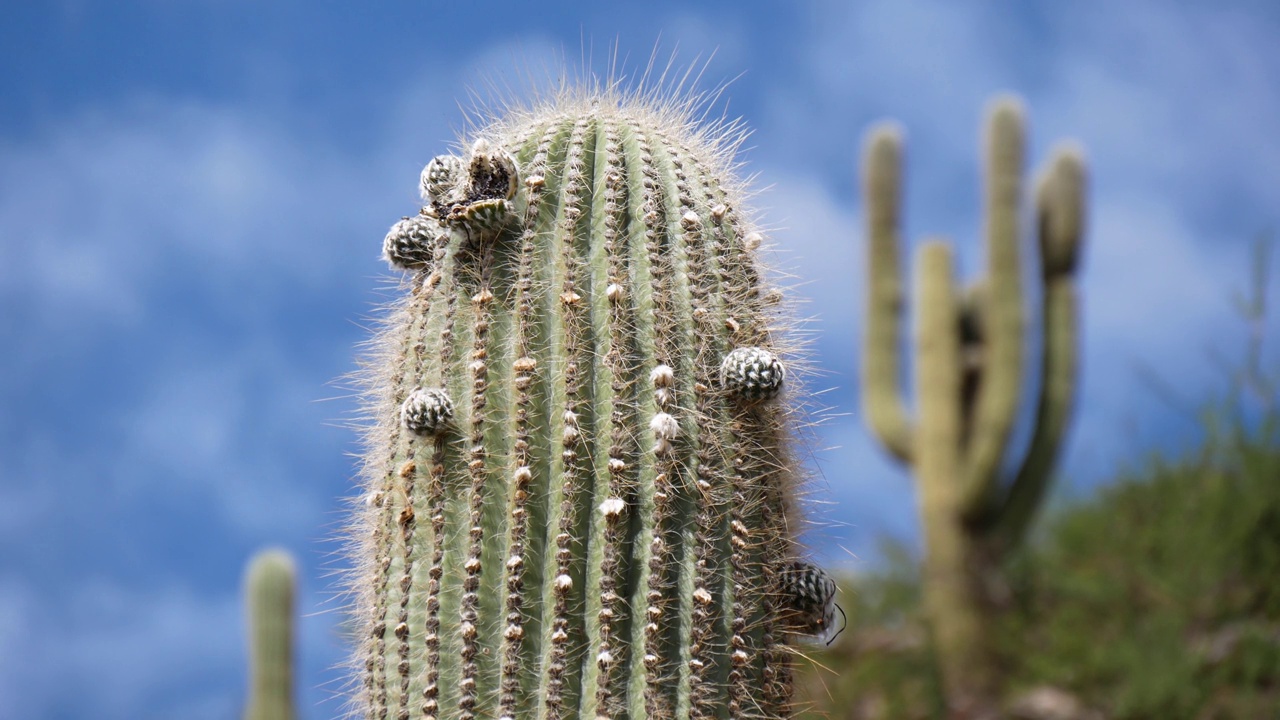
(968, 372)
(595, 527)
(269, 592)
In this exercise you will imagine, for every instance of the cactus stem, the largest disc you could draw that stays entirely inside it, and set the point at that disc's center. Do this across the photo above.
(997, 400)
(968, 374)
(595, 528)
(881, 383)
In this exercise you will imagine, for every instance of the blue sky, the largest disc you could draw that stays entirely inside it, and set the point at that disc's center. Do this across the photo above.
(193, 196)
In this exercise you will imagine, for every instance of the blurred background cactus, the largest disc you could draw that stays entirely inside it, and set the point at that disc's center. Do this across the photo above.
(579, 481)
(269, 598)
(968, 374)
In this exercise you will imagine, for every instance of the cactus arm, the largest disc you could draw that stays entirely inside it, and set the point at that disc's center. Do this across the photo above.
(269, 590)
(952, 596)
(938, 429)
(882, 398)
(1060, 200)
(997, 401)
(1054, 408)
(1060, 215)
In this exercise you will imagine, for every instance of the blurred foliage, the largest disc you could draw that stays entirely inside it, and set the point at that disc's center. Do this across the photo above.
(880, 666)
(1158, 597)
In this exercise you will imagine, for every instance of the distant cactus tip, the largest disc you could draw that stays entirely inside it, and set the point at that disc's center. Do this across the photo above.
(408, 246)
(269, 594)
(1006, 107)
(752, 373)
(1060, 199)
(426, 411)
(887, 134)
(272, 560)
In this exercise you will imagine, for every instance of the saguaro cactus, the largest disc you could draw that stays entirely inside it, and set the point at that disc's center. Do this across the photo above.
(269, 590)
(578, 484)
(968, 372)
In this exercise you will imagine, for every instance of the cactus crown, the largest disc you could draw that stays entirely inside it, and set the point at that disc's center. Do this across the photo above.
(579, 483)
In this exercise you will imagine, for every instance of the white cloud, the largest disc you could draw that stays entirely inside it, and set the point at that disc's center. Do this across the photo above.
(815, 245)
(206, 434)
(1182, 101)
(173, 644)
(860, 495)
(1176, 111)
(923, 53)
(105, 208)
(1149, 287)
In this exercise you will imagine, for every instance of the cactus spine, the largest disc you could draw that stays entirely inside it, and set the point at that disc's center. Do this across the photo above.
(269, 590)
(968, 371)
(578, 484)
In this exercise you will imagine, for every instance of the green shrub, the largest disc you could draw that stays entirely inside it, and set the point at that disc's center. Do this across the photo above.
(1159, 596)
